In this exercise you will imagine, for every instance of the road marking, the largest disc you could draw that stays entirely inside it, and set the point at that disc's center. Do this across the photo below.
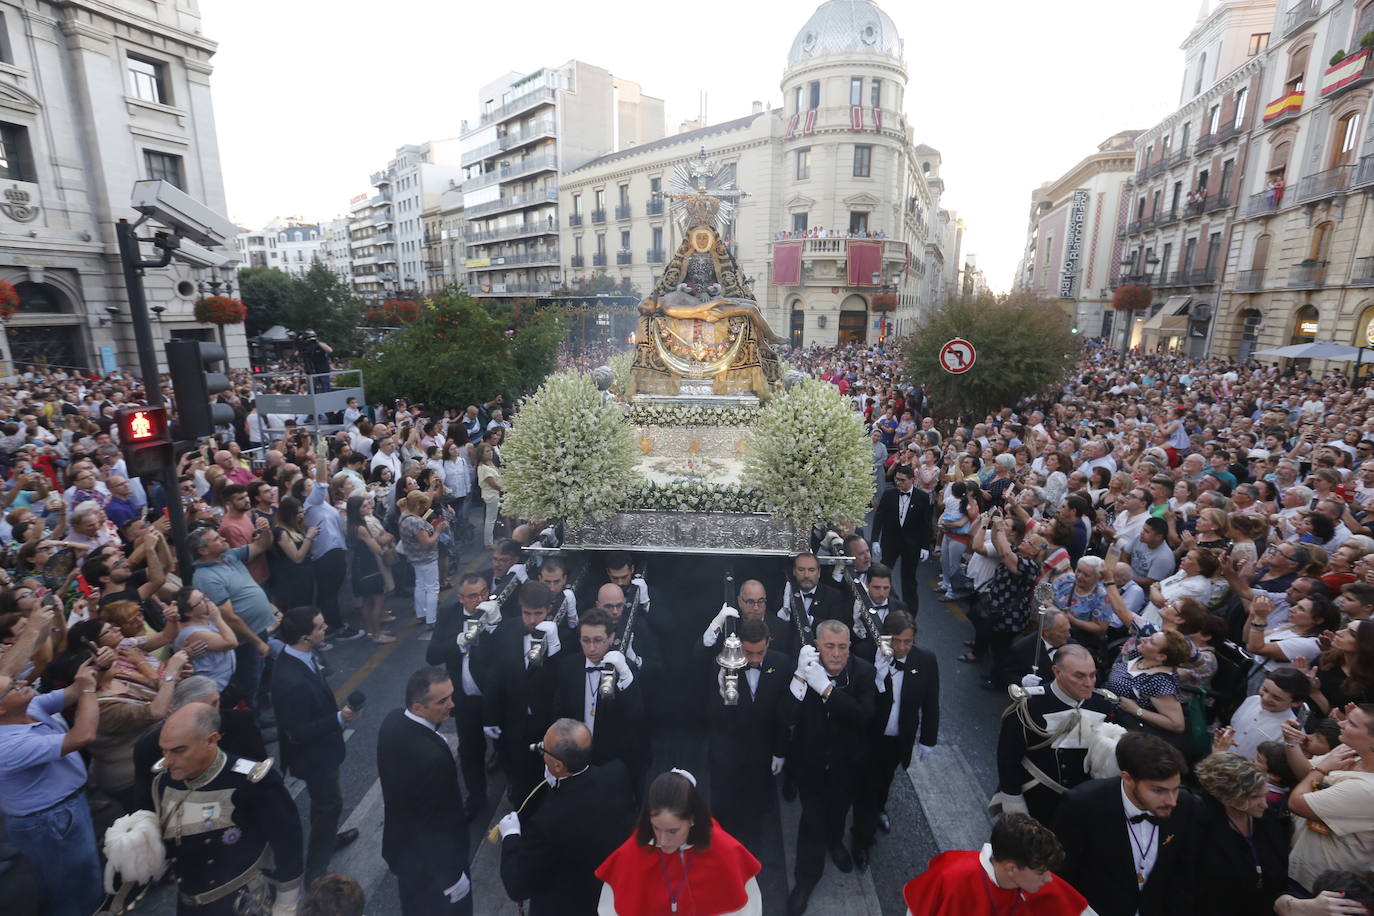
(362, 861)
(374, 661)
(951, 798)
(956, 610)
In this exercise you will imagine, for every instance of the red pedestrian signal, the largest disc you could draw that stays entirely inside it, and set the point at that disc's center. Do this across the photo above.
(144, 439)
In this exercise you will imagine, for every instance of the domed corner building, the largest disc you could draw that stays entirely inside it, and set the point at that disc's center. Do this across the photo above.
(841, 230)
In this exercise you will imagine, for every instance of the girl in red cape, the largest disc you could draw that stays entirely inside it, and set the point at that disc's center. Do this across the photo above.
(1011, 874)
(679, 862)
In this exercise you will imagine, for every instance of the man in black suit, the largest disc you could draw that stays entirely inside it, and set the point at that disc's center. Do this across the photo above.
(834, 696)
(880, 591)
(310, 733)
(1128, 847)
(517, 698)
(462, 643)
(508, 571)
(908, 702)
(748, 741)
(1035, 650)
(550, 852)
(901, 526)
(424, 828)
(619, 731)
(817, 603)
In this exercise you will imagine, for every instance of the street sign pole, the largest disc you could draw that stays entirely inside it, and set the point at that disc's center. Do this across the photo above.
(134, 265)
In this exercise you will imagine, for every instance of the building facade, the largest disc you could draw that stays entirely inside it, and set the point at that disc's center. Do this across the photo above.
(409, 185)
(531, 129)
(1072, 253)
(337, 253)
(290, 245)
(444, 246)
(842, 204)
(93, 97)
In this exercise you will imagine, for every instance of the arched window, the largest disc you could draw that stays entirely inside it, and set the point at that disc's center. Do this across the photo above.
(853, 320)
(42, 297)
(796, 324)
(1305, 322)
(1365, 328)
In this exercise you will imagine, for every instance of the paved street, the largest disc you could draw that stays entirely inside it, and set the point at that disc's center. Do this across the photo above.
(937, 806)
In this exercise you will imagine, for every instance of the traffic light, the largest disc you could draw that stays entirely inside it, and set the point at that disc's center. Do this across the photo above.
(144, 439)
(195, 388)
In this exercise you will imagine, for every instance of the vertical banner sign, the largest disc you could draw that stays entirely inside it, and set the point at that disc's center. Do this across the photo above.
(1073, 244)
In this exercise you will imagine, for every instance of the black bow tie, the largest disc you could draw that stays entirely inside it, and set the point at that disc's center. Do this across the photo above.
(1146, 816)
(808, 594)
(880, 607)
(595, 668)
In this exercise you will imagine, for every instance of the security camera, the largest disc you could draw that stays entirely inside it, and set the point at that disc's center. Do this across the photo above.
(112, 309)
(196, 256)
(185, 216)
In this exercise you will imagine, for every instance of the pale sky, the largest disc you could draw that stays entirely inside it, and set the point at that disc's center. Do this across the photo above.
(312, 96)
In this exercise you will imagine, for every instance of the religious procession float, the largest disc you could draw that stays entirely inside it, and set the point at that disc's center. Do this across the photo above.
(702, 440)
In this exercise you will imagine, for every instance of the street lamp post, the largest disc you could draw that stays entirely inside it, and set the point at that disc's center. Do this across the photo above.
(1151, 263)
(882, 287)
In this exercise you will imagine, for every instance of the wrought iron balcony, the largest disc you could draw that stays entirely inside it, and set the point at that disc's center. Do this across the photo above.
(1364, 172)
(518, 104)
(1261, 204)
(653, 207)
(1325, 184)
(599, 259)
(622, 211)
(1250, 281)
(624, 256)
(1344, 75)
(1218, 201)
(574, 220)
(1284, 108)
(1206, 276)
(598, 216)
(1168, 216)
(1363, 274)
(1228, 132)
(577, 260)
(1307, 275)
(1157, 168)
(655, 256)
(1299, 15)
(1180, 157)
(1206, 142)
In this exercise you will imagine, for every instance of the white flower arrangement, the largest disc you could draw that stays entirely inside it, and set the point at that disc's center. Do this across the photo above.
(693, 496)
(570, 456)
(809, 457)
(692, 415)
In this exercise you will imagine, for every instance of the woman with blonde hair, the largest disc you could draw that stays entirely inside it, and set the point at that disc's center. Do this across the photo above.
(490, 483)
(1243, 843)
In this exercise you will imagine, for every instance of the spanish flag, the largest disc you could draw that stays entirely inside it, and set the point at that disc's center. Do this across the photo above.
(1284, 104)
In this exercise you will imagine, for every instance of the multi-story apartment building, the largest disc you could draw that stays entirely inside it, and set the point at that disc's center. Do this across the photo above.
(842, 203)
(290, 245)
(337, 251)
(93, 97)
(410, 184)
(531, 129)
(1179, 218)
(1302, 255)
(1072, 253)
(445, 252)
(369, 223)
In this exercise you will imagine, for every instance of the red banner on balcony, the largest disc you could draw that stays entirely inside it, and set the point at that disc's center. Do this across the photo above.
(1283, 105)
(787, 263)
(810, 127)
(856, 117)
(791, 128)
(1344, 72)
(865, 260)
(877, 119)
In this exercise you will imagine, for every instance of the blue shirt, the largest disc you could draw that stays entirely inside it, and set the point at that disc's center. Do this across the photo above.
(318, 511)
(228, 579)
(34, 773)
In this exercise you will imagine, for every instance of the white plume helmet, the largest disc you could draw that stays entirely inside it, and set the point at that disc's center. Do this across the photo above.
(134, 850)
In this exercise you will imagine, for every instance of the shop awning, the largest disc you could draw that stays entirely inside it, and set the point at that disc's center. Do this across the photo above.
(1172, 319)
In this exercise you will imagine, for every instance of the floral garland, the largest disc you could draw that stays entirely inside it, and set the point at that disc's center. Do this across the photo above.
(692, 415)
(685, 496)
(220, 310)
(9, 300)
(809, 457)
(570, 456)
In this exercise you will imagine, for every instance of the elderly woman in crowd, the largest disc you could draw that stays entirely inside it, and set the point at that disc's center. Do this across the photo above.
(1082, 595)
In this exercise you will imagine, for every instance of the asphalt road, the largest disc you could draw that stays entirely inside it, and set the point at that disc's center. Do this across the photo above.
(937, 805)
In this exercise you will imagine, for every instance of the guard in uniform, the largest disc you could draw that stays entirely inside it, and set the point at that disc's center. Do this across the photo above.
(1043, 748)
(230, 828)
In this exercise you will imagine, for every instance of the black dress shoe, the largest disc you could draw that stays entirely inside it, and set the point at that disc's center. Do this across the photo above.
(345, 837)
(799, 898)
(884, 822)
(861, 859)
(840, 856)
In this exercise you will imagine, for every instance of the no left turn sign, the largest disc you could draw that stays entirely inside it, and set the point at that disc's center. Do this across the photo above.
(957, 356)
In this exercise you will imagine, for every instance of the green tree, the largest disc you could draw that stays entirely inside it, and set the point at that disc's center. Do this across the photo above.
(457, 353)
(1024, 344)
(321, 301)
(266, 292)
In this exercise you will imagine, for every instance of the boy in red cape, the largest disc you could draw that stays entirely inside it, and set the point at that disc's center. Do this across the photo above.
(1011, 874)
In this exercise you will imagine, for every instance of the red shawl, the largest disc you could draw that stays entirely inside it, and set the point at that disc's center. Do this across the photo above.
(715, 880)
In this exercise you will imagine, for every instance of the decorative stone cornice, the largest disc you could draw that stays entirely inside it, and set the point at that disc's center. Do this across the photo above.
(1241, 74)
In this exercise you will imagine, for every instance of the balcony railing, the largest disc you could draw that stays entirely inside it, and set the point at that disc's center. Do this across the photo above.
(1250, 281)
(513, 202)
(519, 103)
(653, 208)
(1344, 75)
(577, 260)
(1218, 201)
(1260, 204)
(1307, 276)
(574, 220)
(599, 259)
(1168, 216)
(1206, 276)
(503, 261)
(655, 256)
(540, 227)
(1193, 209)
(1300, 14)
(1364, 172)
(624, 256)
(1324, 184)
(1135, 279)
(598, 216)
(1363, 274)
(622, 211)
(1227, 132)
(1180, 157)
(1206, 142)
(1157, 168)
(1137, 226)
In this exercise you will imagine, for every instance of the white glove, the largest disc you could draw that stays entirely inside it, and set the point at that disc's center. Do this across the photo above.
(492, 731)
(777, 765)
(718, 623)
(491, 612)
(1032, 681)
(883, 666)
(463, 639)
(643, 587)
(785, 613)
(923, 751)
(806, 656)
(551, 643)
(508, 825)
(616, 659)
(632, 656)
(877, 551)
(925, 554)
(816, 678)
(285, 903)
(460, 889)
